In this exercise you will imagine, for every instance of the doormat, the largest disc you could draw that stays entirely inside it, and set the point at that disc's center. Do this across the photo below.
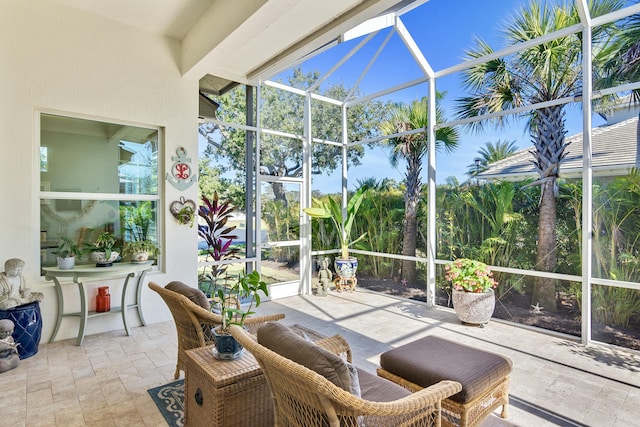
(169, 399)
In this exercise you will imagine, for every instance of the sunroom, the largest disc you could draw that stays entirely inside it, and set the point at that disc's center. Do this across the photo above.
(295, 102)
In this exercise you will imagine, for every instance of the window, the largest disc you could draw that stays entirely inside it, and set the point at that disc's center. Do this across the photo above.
(96, 176)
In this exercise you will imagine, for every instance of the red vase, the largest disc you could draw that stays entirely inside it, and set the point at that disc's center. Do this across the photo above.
(103, 299)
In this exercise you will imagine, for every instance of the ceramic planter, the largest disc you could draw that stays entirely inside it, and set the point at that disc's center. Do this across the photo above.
(66, 263)
(226, 348)
(474, 308)
(141, 256)
(101, 260)
(346, 267)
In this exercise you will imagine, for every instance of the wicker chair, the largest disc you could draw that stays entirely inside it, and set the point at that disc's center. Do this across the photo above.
(303, 397)
(193, 322)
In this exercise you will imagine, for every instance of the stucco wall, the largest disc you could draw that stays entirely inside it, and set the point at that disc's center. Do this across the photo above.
(57, 59)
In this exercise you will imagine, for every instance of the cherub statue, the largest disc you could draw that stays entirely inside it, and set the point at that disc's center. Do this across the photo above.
(13, 290)
(8, 348)
(324, 277)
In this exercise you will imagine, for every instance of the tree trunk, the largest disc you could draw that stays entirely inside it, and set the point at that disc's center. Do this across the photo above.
(412, 196)
(548, 139)
(544, 290)
(280, 193)
(409, 271)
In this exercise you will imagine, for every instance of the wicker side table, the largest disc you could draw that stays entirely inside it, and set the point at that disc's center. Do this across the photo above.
(225, 392)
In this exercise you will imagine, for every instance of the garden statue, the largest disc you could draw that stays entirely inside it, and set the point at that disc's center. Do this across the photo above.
(8, 348)
(324, 278)
(13, 290)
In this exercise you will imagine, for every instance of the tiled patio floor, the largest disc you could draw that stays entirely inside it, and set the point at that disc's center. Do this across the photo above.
(104, 382)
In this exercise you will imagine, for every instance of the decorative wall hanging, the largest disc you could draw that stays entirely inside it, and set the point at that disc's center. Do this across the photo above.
(184, 210)
(181, 176)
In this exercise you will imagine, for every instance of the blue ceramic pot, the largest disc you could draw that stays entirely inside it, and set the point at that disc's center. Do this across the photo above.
(227, 348)
(346, 267)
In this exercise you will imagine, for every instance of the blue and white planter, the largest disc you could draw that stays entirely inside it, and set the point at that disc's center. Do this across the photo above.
(227, 347)
(346, 267)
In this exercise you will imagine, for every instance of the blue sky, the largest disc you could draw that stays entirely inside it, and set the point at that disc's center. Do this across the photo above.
(443, 30)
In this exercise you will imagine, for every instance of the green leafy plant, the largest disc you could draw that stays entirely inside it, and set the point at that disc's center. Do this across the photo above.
(469, 275)
(331, 209)
(248, 286)
(186, 215)
(67, 248)
(105, 242)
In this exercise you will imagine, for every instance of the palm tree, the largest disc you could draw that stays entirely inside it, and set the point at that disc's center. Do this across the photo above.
(624, 63)
(491, 153)
(412, 148)
(545, 72)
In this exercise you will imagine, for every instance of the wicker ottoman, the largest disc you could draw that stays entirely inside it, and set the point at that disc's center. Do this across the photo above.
(484, 376)
(225, 393)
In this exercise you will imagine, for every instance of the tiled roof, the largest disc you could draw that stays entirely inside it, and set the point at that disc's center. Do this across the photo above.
(614, 151)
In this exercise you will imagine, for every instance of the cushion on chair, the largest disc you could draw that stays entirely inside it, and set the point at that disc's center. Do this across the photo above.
(280, 339)
(195, 295)
(378, 389)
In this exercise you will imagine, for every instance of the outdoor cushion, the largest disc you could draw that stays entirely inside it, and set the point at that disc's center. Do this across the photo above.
(195, 295)
(280, 339)
(377, 389)
(431, 359)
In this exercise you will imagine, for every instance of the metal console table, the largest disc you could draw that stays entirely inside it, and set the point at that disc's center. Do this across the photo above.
(90, 272)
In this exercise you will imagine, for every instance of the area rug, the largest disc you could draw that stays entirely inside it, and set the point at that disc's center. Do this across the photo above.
(169, 399)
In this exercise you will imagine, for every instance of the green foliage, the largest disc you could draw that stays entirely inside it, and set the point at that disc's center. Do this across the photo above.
(384, 235)
(67, 248)
(105, 242)
(137, 218)
(283, 222)
(248, 286)
(332, 209)
(282, 111)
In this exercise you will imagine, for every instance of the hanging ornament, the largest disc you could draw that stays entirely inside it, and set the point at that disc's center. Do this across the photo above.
(181, 175)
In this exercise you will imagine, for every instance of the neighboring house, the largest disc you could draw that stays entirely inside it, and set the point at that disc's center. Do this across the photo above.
(614, 148)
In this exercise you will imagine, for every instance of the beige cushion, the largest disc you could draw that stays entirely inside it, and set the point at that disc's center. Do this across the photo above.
(280, 339)
(195, 295)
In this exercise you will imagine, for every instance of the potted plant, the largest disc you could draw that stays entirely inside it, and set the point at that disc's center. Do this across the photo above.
(67, 252)
(472, 286)
(140, 250)
(345, 265)
(103, 249)
(219, 237)
(247, 288)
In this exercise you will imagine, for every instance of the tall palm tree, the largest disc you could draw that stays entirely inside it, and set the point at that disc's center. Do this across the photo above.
(548, 71)
(491, 153)
(412, 148)
(624, 63)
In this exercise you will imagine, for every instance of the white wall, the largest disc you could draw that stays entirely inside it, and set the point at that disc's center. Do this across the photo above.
(54, 58)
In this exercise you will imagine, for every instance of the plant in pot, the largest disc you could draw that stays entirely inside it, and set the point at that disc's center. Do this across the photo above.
(345, 265)
(219, 238)
(103, 249)
(247, 288)
(140, 250)
(67, 252)
(472, 290)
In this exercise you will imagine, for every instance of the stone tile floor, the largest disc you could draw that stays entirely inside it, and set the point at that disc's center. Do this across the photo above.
(104, 382)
